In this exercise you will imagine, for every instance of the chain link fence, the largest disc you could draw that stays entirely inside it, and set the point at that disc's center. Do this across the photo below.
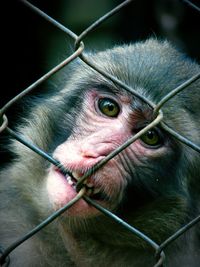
(158, 115)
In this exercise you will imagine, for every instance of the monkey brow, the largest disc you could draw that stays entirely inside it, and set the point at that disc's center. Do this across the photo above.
(106, 86)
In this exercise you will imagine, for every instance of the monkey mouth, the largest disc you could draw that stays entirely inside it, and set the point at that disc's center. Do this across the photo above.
(62, 188)
(94, 192)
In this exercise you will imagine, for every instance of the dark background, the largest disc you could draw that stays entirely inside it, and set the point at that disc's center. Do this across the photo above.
(32, 46)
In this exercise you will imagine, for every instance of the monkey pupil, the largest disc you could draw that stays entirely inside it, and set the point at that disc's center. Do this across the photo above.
(150, 134)
(110, 107)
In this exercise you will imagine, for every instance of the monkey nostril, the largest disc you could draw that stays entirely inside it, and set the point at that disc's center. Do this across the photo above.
(89, 155)
(90, 152)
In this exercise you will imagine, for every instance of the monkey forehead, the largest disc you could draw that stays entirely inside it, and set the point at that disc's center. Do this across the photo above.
(153, 68)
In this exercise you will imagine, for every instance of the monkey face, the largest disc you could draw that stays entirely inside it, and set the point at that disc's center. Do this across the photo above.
(107, 120)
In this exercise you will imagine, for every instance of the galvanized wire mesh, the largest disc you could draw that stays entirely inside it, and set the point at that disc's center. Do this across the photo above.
(158, 119)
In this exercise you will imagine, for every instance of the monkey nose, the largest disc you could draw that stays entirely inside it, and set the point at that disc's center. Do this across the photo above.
(96, 150)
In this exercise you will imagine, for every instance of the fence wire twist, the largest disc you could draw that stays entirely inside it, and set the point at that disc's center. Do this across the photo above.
(158, 119)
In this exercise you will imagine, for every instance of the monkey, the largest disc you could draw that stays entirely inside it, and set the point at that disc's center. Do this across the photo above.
(153, 184)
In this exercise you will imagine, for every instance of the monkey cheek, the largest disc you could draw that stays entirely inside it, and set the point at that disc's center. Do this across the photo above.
(61, 193)
(58, 189)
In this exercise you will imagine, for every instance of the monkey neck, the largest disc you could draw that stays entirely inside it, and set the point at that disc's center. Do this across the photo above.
(86, 249)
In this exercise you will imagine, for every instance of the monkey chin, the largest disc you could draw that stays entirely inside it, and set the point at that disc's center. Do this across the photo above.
(61, 190)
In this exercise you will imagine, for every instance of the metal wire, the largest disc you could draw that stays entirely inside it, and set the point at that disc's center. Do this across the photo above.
(123, 223)
(192, 5)
(175, 92)
(50, 20)
(42, 79)
(177, 234)
(119, 149)
(158, 119)
(40, 226)
(98, 22)
(37, 150)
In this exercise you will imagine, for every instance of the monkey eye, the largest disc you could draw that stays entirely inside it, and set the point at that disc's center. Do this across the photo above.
(108, 107)
(152, 138)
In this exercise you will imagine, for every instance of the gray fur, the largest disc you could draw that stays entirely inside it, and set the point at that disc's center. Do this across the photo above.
(153, 68)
